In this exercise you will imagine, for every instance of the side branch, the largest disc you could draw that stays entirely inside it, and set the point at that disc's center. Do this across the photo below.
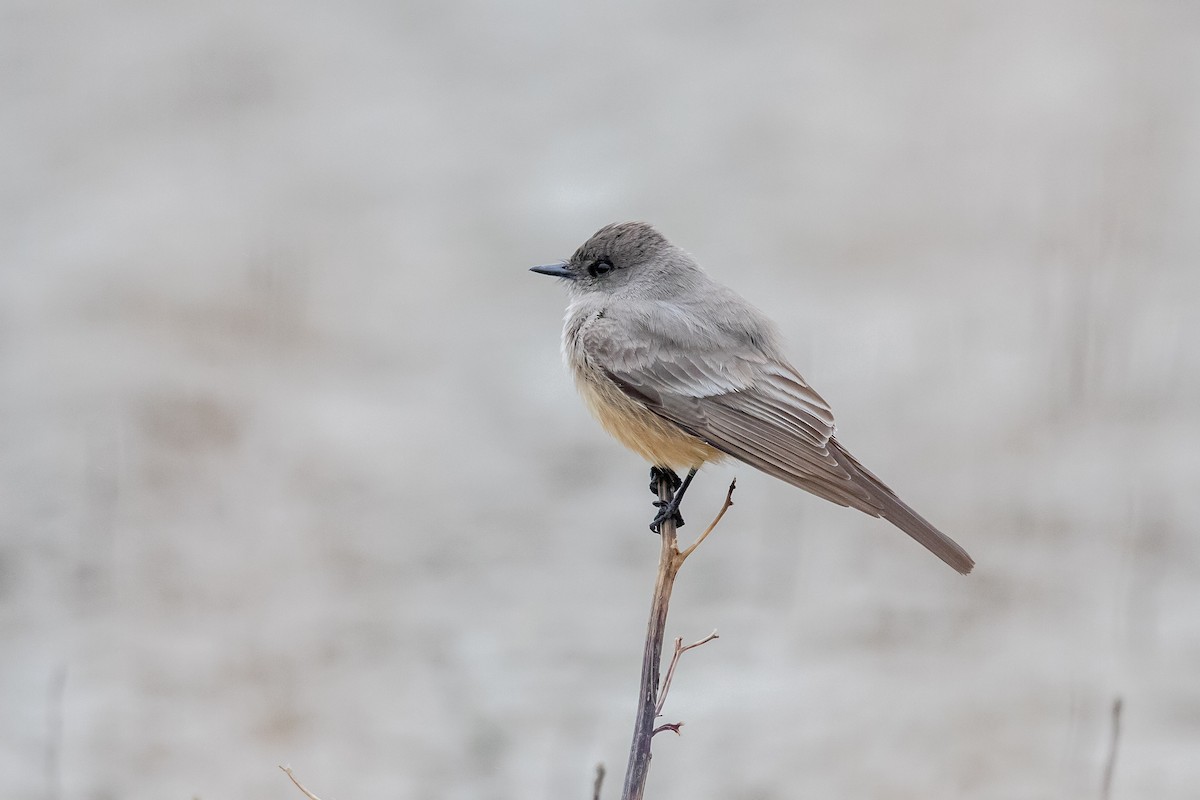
(680, 649)
(288, 771)
(1113, 742)
(724, 507)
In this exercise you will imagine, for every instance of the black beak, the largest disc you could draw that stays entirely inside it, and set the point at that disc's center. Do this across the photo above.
(554, 270)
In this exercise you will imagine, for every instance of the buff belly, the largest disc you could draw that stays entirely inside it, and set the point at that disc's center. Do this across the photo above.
(658, 441)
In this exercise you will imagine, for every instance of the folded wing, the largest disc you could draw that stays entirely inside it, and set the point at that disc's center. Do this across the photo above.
(761, 411)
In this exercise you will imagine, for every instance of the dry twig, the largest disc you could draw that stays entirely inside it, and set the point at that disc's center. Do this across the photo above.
(1114, 739)
(599, 782)
(288, 771)
(679, 650)
(54, 724)
(671, 558)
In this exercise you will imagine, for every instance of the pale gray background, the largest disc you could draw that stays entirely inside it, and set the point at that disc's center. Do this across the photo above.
(291, 472)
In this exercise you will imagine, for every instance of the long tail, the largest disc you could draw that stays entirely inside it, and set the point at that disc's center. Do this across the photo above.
(895, 511)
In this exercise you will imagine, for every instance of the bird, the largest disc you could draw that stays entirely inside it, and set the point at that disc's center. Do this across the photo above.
(683, 371)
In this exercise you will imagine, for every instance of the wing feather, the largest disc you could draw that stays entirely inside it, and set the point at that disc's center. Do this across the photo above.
(759, 410)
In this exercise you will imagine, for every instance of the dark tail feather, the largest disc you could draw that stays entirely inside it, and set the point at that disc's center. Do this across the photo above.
(894, 510)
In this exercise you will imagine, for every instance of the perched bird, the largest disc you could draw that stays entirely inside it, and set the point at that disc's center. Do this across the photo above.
(683, 371)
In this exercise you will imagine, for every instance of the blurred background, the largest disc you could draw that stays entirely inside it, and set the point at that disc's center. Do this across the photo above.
(292, 472)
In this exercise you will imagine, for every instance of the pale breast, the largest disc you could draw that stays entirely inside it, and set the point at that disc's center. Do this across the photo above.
(658, 441)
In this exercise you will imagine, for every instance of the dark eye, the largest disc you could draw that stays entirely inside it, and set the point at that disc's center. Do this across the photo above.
(600, 267)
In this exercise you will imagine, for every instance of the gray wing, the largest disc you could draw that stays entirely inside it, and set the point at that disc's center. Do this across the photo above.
(761, 411)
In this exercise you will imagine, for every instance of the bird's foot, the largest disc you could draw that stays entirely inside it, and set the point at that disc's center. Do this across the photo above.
(657, 474)
(667, 510)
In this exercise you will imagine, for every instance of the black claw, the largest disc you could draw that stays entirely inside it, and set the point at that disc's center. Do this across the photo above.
(667, 509)
(657, 474)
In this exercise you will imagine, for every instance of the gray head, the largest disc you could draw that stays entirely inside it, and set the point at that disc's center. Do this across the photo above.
(625, 254)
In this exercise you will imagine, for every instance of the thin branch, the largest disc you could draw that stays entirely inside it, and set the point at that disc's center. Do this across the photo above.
(673, 727)
(599, 782)
(54, 738)
(669, 561)
(643, 732)
(679, 650)
(724, 507)
(1114, 740)
(288, 771)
